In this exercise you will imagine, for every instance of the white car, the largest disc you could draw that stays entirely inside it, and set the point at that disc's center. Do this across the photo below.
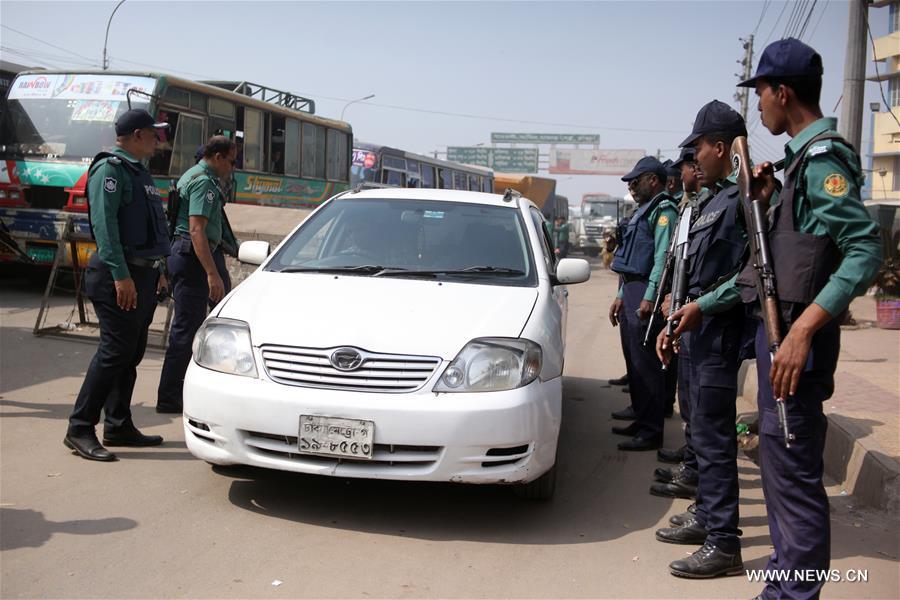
(405, 334)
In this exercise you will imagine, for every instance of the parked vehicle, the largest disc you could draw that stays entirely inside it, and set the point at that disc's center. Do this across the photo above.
(375, 166)
(435, 351)
(600, 214)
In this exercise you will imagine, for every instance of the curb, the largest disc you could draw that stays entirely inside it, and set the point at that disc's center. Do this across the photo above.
(859, 465)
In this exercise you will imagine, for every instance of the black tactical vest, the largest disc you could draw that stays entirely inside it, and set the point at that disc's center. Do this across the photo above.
(143, 231)
(717, 243)
(635, 253)
(803, 262)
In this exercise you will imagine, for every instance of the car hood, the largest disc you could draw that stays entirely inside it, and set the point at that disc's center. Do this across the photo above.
(378, 314)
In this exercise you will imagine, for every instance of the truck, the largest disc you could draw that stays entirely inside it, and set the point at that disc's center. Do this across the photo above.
(599, 216)
(540, 190)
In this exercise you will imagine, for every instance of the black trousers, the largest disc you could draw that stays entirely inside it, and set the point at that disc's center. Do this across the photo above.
(686, 375)
(191, 293)
(109, 382)
(646, 379)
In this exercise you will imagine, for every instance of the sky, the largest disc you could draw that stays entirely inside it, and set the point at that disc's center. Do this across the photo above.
(450, 73)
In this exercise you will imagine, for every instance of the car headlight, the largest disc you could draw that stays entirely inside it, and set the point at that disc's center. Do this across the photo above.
(224, 345)
(492, 365)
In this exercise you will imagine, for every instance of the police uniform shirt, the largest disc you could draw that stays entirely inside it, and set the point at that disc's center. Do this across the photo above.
(826, 202)
(201, 197)
(662, 218)
(109, 188)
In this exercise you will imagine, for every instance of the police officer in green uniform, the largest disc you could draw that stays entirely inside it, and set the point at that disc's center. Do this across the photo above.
(122, 280)
(197, 263)
(826, 251)
(639, 261)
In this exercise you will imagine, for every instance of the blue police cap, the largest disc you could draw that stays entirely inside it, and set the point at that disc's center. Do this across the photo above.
(134, 119)
(786, 58)
(671, 171)
(715, 117)
(688, 154)
(648, 164)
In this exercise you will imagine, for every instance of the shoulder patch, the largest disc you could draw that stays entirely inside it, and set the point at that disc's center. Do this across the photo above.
(835, 185)
(110, 184)
(210, 196)
(817, 150)
(663, 221)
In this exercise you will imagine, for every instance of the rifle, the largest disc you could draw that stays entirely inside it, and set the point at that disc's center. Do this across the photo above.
(661, 288)
(761, 256)
(679, 277)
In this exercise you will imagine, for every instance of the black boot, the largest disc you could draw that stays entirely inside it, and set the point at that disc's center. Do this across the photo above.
(683, 486)
(629, 430)
(670, 456)
(691, 532)
(623, 380)
(667, 474)
(682, 518)
(129, 435)
(87, 446)
(626, 414)
(708, 562)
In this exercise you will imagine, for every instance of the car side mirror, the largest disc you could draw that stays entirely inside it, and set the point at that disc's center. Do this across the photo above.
(254, 252)
(572, 270)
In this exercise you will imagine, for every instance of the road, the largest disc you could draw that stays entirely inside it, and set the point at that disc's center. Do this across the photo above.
(159, 523)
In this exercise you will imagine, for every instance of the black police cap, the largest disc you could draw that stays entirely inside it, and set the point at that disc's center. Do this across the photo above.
(786, 58)
(688, 154)
(715, 117)
(134, 119)
(671, 171)
(648, 164)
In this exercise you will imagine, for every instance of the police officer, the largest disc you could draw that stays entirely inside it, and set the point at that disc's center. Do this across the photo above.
(821, 228)
(717, 246)
(197, 263)
(639, 261)
(122, 279)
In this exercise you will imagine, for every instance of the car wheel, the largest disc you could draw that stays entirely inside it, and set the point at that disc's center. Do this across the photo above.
(541, 488)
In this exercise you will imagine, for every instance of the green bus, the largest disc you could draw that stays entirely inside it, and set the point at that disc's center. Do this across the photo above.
(55, 122)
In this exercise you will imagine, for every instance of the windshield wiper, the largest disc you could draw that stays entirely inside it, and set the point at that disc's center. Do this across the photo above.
(480, 270)
(358, 269)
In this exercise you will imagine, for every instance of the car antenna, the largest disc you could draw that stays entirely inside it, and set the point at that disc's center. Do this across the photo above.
(509, 194)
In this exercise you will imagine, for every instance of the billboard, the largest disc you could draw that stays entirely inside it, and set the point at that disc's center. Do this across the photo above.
(544, 138)
(506, 160)
(593, 162)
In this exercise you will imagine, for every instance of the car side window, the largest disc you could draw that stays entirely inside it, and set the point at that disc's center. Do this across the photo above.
(546, 244)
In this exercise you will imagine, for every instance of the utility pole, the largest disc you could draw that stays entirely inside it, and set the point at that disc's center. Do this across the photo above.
(850, 125)
(743, 94)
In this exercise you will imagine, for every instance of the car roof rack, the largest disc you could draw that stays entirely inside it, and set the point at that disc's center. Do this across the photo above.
(267, 94)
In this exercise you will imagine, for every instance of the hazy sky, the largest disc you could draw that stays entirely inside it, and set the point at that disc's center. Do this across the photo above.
(633, 72)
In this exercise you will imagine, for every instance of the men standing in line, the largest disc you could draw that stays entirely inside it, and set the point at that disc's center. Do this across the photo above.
(197, 263)
(122, 280)
(639, 260)
(821, 228)
(717, 246)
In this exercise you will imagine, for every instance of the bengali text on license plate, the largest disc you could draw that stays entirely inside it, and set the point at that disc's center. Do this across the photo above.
(333, 436)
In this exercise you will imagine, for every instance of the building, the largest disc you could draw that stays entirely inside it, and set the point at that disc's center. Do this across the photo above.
(885, 176)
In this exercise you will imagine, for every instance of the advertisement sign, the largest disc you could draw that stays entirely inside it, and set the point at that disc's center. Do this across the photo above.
(506, 160)
(544, 138)
(79, 87)
(593, 162)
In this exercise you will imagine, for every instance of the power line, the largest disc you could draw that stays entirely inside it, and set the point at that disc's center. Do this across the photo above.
(761, 15)
(795, 9)
(37, 39)
(805, 23)
(33, 54)
(775, 26)
(821, 15)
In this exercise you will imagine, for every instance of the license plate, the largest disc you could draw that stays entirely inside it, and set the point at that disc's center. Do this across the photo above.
(41, 254)
(333, 436)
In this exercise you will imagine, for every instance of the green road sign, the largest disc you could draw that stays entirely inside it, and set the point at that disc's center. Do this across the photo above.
(507, 160)
(544, 138)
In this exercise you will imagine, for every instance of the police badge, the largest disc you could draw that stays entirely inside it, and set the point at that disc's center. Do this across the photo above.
(110, 184)
(210, 196)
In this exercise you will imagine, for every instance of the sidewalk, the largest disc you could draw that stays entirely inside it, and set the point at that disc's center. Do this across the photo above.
(862, 450)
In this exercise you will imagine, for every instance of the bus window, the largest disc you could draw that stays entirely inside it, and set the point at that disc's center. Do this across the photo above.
(292, 148)
(198, 102)
(162, 158)
(393, 178)
(320, 152)
(474, 184)
(344, 157)
(445, 179)
(459, 181)
(177, 96)
(276, 145)
(253, 140)
(487, 185)
(412, 174)
(337, 155)
(312, 155)
(188, 137)
(427, 176)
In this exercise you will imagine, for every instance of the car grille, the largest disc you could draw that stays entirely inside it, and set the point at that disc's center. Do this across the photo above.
(311, 367)
(384, 455)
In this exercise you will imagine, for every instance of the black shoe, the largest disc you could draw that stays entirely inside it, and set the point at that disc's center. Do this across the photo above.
(690, 532)
(626, 414)
(130, 436)
(667, 474)
(629, 430)
(671, 456)
(623, 380)
(708, 562)
(87, 446)
(681, 519)
(637, 444)
(626, 390)
(679, 487)
(670, 411)
(165, 409)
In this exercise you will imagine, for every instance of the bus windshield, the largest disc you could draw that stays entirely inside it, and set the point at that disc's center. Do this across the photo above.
(67, 115)
(364, 167)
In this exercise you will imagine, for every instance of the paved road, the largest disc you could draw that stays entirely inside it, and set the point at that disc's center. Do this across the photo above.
(159, 523)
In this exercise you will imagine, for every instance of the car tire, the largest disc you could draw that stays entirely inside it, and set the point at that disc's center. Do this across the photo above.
(541, 488)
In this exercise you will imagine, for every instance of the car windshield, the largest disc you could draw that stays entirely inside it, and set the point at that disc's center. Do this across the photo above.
(412, 238)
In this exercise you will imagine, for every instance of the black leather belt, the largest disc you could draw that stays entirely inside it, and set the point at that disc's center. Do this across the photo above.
(147, 263)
